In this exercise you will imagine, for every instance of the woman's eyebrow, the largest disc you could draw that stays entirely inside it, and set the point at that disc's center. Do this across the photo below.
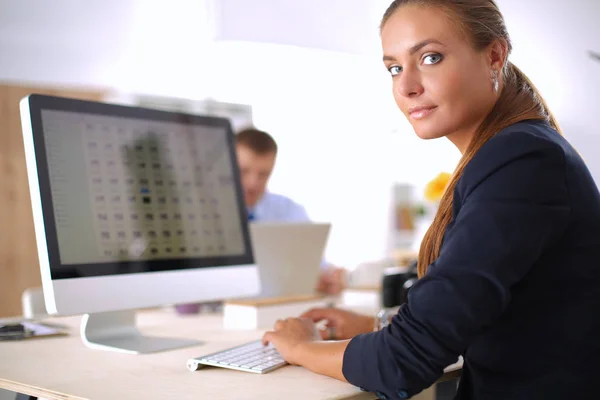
(414, 48)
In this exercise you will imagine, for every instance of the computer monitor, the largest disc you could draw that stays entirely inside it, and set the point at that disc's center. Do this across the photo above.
(133, 208)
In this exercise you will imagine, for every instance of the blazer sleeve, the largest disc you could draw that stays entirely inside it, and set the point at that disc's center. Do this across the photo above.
(514, 205)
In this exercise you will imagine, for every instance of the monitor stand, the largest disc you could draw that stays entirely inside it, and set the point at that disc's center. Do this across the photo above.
(117, 331)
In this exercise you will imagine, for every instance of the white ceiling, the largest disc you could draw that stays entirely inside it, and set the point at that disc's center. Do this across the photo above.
(339, 25)
(100, 27)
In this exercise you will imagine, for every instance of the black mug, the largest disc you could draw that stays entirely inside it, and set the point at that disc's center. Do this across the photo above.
(396, 284)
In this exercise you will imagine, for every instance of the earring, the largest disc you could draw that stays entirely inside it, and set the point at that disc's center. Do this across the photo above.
(495, 81)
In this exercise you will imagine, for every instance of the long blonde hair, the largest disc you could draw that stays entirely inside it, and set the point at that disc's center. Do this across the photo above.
(519, 100)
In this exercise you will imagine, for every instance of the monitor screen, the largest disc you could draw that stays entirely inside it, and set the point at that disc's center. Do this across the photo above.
(130, 190)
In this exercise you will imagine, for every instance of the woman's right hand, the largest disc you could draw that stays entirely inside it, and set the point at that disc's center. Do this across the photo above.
(341, 324)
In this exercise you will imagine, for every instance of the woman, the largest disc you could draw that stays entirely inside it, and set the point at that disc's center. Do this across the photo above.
(510, 270)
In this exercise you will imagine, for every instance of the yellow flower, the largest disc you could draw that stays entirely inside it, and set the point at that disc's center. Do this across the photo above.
(435, 188)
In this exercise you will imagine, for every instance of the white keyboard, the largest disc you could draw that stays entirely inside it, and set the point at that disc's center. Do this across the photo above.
(249, 357)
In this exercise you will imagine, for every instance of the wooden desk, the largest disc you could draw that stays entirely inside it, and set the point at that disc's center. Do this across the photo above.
(63, 368)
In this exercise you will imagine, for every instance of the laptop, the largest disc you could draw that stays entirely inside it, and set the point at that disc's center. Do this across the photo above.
(289, 256)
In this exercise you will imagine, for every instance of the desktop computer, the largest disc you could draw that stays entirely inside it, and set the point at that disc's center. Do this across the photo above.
(133, 208)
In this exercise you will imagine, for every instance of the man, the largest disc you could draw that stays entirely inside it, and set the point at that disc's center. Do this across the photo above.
(256, 152)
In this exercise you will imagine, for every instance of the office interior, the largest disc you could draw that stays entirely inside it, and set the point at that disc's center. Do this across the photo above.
(309, 73)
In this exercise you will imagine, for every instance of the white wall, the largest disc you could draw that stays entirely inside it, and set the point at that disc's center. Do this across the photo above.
(342, 141)
(551, 40)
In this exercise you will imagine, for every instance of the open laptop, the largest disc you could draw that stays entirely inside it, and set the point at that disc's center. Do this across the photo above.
(289, 256)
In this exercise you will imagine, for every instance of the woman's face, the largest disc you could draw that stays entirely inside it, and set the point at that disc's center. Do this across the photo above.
(441, 84)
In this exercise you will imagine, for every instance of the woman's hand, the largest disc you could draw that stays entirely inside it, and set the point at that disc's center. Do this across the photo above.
(299, 343)
(340, 324)
(289, 335)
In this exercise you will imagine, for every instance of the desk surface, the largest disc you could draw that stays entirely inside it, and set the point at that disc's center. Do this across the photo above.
(63, 368)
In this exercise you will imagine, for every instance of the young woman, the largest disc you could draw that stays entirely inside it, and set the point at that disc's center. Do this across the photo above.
(510, 268)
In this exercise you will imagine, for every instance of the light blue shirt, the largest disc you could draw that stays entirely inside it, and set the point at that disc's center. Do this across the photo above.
(277, 208)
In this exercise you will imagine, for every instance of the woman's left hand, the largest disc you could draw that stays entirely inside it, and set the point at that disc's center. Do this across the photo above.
(289, 335)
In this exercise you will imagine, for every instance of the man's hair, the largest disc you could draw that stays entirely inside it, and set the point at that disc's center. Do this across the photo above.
(256, 140)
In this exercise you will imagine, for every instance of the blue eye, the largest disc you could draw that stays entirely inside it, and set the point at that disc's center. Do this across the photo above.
(431, 59)
(395, 70)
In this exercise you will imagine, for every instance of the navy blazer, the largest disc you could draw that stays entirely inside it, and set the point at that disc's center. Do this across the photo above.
(515, 290)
